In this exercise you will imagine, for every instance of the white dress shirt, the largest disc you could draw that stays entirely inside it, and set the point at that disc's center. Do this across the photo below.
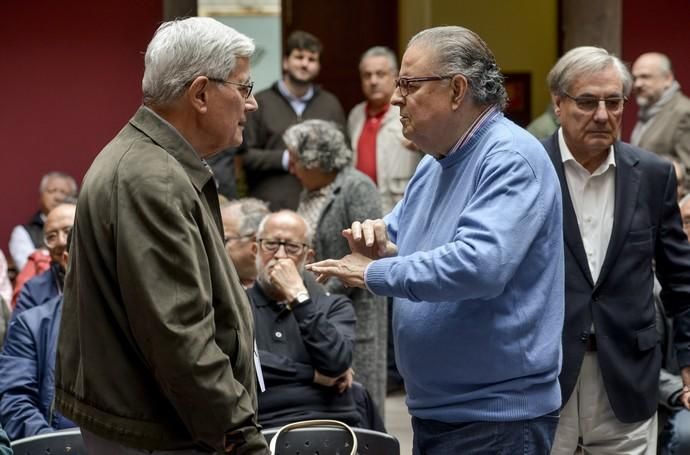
(593, 197)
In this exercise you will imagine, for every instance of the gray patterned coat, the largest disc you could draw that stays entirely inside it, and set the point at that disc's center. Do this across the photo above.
(355, 198)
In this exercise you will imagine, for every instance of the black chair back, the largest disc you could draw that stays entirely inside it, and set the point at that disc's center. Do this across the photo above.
(60, 442)
(332, 441)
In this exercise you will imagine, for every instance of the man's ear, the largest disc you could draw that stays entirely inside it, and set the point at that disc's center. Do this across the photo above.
(458, 87)
(309, 258)
(285, 64)
(197, 93)
(556, 102)
(255, 247)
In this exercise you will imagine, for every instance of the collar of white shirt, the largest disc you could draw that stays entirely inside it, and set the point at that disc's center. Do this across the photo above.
(567, 157)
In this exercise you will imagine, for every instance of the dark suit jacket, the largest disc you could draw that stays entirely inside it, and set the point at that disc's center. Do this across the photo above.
(647, 230)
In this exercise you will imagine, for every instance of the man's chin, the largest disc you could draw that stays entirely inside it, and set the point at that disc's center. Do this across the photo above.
(642, 101)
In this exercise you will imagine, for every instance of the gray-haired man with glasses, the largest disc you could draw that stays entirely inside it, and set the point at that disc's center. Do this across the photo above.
(156, 342)
(473, 256)
(622, 226)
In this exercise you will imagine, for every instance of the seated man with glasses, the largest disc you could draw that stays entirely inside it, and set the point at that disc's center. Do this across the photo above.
(27, 360)
(49, 284)
(305, 336)
(241, 219)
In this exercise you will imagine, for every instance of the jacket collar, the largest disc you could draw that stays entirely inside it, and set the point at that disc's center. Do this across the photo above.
(626, 190)
(167, 137)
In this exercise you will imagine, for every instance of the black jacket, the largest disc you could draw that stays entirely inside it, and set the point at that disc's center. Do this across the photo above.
(647, 228)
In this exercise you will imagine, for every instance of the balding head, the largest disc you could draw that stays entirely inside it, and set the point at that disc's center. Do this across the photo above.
(653, 75)
(282, 235)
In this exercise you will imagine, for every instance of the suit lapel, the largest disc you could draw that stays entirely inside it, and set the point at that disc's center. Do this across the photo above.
(627, 187)
(571, 230)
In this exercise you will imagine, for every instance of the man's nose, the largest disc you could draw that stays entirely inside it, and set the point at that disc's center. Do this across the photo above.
(280, 252)
(601, 114)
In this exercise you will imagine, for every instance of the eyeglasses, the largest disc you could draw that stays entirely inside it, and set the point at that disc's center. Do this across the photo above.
(245, 88)
(403, 83)
(291, 248)
(230, 238)
(613, 104)
(52, 238)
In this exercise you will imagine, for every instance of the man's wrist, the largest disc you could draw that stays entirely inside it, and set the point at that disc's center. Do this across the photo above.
(299, 298)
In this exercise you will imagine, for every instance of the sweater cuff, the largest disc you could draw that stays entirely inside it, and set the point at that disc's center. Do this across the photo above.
(375, 276)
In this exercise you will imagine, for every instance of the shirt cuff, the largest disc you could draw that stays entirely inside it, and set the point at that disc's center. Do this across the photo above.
(285, 161)
(366, 271)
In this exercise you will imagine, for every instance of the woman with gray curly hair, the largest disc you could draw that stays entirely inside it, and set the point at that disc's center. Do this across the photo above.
(334, 195)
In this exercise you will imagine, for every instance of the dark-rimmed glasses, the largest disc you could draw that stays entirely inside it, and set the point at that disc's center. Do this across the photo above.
(291, 248)
(245, 88)
(403, 83)
(52, 238)
(613, 104)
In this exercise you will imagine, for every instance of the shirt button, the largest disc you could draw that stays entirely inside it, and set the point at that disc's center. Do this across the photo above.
(279, 334)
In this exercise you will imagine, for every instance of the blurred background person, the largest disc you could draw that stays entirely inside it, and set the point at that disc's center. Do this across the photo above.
(241, 219)
(25, 238)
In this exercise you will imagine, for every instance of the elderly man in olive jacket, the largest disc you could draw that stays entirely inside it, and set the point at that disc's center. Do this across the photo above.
(156, 343)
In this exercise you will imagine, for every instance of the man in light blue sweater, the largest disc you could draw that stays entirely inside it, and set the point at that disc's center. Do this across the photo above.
(473, 256)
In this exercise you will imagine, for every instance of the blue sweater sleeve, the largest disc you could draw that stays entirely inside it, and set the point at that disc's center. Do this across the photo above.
(494, 232)
(20, 412)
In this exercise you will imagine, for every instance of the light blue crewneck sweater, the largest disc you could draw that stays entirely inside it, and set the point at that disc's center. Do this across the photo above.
(478, 280)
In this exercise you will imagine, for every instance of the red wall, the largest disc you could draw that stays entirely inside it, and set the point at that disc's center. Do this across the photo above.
(70, 74)
(659, 27)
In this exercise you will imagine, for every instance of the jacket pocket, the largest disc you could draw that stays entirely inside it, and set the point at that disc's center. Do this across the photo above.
(647, 338)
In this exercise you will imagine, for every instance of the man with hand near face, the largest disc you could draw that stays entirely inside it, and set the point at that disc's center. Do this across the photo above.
(304, 334)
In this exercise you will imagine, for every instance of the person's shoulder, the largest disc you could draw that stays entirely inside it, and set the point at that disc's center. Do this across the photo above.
(354, 177)
(641, 157)
(44, 278)
(268, 93)
(357, 112)
(34, 317)
(683, 102)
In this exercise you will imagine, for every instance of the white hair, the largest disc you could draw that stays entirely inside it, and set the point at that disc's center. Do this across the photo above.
(182, 50)
(585, 60)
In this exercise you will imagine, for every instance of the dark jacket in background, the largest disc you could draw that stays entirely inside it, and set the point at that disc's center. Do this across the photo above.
(266, 177)
(647, 229)
(27, 385)
(39, 290)
(156, 343)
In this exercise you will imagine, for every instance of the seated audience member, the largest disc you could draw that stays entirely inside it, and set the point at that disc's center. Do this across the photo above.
(48, 284)
(37, 263)
(305, 336)
(5, 284)
(54, 187)
(335, 194)
(5, 448)
(241, 219)
(674, 437)
(27, 360)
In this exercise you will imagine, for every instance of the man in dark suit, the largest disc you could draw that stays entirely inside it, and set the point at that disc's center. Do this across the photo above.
(622, 225)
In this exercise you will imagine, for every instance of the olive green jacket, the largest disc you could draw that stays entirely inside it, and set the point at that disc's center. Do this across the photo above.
(156, 339)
